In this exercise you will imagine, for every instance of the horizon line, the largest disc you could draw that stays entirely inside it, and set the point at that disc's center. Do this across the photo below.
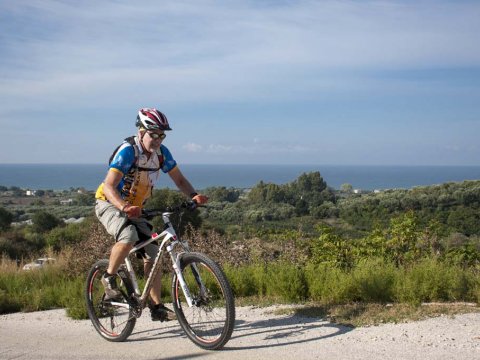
(267, 164)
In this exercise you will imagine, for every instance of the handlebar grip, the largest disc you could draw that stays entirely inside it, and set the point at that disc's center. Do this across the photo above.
(190, 205)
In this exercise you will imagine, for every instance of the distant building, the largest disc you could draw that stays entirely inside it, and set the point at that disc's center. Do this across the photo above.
(30, 192)
(66, 202)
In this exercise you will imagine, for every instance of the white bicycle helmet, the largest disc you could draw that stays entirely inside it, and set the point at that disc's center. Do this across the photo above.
(152, 119)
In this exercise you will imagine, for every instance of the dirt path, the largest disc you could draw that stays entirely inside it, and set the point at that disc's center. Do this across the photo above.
(258, 335)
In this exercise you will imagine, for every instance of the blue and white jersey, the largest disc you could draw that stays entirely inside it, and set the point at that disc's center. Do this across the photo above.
(139, 171)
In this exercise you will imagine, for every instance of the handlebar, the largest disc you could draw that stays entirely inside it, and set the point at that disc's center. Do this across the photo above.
(186, 205)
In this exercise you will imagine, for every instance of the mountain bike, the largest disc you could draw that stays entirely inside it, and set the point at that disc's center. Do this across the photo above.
(201, 295)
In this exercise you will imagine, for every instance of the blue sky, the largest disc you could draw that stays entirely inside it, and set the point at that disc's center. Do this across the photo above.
(263, 82)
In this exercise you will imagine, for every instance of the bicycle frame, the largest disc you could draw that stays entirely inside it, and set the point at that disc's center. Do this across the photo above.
(169, 241)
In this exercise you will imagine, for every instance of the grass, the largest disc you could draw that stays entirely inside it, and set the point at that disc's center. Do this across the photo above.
(370, 281)
(370, 294)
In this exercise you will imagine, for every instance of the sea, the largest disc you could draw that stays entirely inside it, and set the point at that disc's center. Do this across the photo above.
(89, 176)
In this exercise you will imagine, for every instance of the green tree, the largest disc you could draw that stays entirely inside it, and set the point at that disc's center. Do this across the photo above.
(403, 237)
(465, 220)
(311, 188)
(346, 188)
(17, 192)
(222, 194)
(17, 245)
(373, 245)
(44, 221)
(84, 199)
(330, 248)
(6, 218)
(325, 211)
(257, 193)
(309, 183)
(267, 193)
(58, 237)
(301, 207)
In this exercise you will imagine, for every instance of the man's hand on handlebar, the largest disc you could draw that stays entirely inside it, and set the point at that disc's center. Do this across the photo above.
(200, 199)
(132, 211)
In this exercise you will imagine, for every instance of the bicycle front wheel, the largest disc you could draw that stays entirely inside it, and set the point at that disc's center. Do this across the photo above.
(209, 322)
(114, 320)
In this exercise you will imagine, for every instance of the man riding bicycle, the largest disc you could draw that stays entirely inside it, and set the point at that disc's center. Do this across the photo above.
(133, 170)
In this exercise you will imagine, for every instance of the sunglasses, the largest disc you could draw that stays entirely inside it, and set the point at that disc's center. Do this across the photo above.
(156, 136)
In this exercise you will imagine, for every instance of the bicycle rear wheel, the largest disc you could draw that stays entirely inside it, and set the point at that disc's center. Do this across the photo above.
(209, 322)
(114, 320)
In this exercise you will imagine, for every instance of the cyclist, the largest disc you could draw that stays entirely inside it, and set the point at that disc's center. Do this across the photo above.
(134, 168)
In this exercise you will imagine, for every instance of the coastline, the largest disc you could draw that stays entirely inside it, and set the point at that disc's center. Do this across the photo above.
(365, 177)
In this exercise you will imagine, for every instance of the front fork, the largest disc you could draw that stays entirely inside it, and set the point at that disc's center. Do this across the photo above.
(176, 259)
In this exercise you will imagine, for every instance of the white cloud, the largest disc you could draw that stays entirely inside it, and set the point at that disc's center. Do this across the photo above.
(251, 149)
(219, 149)
(192, 147)
(243, 63)
(100, 53)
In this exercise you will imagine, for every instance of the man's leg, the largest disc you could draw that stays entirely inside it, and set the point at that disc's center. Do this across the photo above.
(116, 225)
(125, 234)
(119, 252)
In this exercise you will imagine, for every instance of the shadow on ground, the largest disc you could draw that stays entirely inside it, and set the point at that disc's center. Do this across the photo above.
(297, 328)
(285, 331)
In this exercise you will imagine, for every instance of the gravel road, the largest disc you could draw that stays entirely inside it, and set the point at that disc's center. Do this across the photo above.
(258, 335)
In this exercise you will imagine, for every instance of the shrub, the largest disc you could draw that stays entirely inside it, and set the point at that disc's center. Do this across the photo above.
(286, 281)
(84, 254)
(44, 221)
(432, 280)
(6, 218)
(403, 238)
(374, 281)
(72, 298)
(241, 280)
(8, 304)
(327, 284)
(18, 243)
(32, 290)
(72, 234)
(330, 248)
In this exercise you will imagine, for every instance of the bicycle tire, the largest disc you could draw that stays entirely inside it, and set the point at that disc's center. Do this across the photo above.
(112, 322)
(209, 322)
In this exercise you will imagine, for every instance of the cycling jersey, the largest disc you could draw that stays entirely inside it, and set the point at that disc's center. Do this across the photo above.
(139, 172)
